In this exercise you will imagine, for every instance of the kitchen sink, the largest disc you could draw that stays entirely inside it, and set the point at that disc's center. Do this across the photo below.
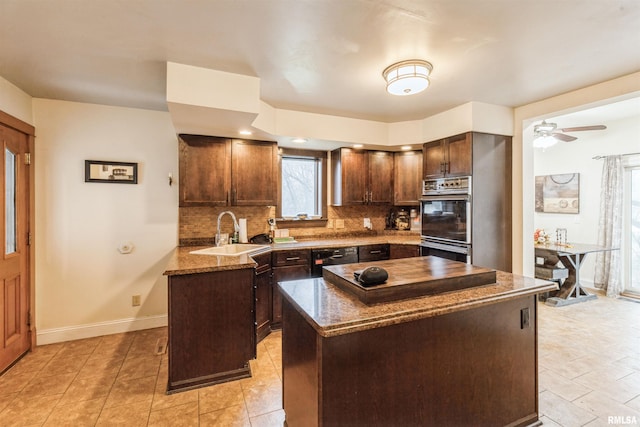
(230, 250)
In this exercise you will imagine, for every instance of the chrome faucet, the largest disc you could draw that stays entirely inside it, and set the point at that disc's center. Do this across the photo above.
(236, 227)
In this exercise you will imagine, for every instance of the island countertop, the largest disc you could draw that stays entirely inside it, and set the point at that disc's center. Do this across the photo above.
(332, 311)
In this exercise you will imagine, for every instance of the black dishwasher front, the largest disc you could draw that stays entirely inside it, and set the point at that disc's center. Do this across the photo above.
(331, 256)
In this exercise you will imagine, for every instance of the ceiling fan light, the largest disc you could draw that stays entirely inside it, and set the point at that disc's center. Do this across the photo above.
(544, 141)
(407, 77)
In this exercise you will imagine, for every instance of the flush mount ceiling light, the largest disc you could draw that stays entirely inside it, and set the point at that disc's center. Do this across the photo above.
(407, 77)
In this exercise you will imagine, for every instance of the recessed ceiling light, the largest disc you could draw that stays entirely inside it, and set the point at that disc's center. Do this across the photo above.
(299, 140)
(358, 145)
(405, 147)
(245, 132)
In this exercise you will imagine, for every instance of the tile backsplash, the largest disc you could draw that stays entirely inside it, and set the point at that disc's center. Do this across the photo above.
(197, 225)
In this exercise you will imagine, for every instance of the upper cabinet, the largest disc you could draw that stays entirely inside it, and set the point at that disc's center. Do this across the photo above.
(361, 177)
(407, 178)
(448, 157)
(218, 171)
(205, 170)
(254, 173)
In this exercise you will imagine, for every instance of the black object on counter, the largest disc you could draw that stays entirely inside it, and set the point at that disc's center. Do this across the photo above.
(371, 276)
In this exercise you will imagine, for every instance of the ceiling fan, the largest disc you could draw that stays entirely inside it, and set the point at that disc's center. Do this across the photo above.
(545, 129)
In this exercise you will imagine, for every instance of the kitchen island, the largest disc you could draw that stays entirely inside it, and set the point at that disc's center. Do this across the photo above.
(463, 357)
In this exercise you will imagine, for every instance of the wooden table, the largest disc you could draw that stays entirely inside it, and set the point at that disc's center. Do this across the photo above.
(572, 256)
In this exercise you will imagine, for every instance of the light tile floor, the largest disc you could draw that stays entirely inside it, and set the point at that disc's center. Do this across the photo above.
(589, 364)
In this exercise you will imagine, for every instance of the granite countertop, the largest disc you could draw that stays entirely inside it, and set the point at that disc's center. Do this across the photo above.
(332, 311)
(183, 262)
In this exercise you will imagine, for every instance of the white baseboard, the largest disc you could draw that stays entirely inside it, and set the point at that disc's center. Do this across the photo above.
(68, 333)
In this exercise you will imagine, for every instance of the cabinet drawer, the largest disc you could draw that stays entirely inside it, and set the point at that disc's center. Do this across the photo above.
(373, 252)
(294, 257)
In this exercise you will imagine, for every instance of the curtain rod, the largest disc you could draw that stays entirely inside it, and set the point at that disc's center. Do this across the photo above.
(604, 157)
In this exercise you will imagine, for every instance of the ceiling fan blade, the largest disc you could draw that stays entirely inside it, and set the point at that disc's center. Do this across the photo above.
(579, 128)
(563, 137)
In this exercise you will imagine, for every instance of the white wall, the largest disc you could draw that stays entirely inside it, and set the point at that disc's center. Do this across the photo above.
(83, 284)
(621, 136)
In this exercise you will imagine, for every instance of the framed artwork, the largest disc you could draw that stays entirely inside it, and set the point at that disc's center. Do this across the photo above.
(112, 172)
(558, 193)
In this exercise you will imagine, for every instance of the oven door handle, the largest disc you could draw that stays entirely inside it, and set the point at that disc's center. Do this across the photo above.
(452, 197)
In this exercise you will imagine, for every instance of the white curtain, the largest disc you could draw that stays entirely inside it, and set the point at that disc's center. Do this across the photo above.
(608, 266)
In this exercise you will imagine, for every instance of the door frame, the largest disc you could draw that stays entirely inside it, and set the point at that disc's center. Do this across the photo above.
(24, 127)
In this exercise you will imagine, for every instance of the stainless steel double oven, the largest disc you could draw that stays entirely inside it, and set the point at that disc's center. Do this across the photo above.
(445, 209)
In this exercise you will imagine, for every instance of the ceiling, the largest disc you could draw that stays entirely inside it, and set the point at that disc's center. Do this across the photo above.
(322, 56)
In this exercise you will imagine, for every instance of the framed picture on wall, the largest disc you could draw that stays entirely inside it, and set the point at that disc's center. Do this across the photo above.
(558, 193)
(111, 172)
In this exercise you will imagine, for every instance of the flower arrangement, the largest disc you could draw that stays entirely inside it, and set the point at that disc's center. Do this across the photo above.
(540, 236)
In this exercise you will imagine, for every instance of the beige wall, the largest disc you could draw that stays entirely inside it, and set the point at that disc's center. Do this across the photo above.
(15, 101)
(84, 284)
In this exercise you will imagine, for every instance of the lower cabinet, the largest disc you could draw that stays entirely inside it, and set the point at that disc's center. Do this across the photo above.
(287, 265)
(373, 252)
(404, 251)
(263, 286)
(211, 328)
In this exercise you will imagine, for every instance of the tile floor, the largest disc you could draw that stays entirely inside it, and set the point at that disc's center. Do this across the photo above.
(589, 371)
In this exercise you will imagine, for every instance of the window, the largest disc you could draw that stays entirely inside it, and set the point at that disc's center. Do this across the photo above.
(11, 229)
(632, 230)
(303, 178)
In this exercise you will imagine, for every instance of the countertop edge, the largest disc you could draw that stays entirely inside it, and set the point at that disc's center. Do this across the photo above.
(416, 313)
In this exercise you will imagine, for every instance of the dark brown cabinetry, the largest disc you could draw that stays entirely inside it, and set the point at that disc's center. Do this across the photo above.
(373, 252)
(223, 172)
(448, 157)
(404, 251)
(211, 328)
(205, 170)
(407, 182)
(361, 177)
(487, 159)
(263, 295)
(254, 173)
(287, 265)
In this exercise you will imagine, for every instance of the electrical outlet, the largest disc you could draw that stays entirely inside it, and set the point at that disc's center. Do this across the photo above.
(339, 223)
(135, 300)
(367, 223)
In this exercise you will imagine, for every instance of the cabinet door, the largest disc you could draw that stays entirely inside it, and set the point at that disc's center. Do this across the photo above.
(380, 182)
(404, 251)
(459, 155)
(349, 176)
(434, 160)
(263, 295)
(205, 166)
(407, 183)
(254, 173)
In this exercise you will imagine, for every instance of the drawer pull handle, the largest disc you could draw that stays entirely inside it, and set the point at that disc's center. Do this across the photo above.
(295, 258)
(375, 252)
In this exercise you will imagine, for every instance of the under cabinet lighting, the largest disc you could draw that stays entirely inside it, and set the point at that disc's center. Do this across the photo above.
(245, 132)
(405, 147)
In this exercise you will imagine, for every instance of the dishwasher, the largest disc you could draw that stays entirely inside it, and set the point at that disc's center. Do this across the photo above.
(331, 256)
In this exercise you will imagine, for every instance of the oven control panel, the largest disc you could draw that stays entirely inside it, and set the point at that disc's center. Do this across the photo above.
(460, 185)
